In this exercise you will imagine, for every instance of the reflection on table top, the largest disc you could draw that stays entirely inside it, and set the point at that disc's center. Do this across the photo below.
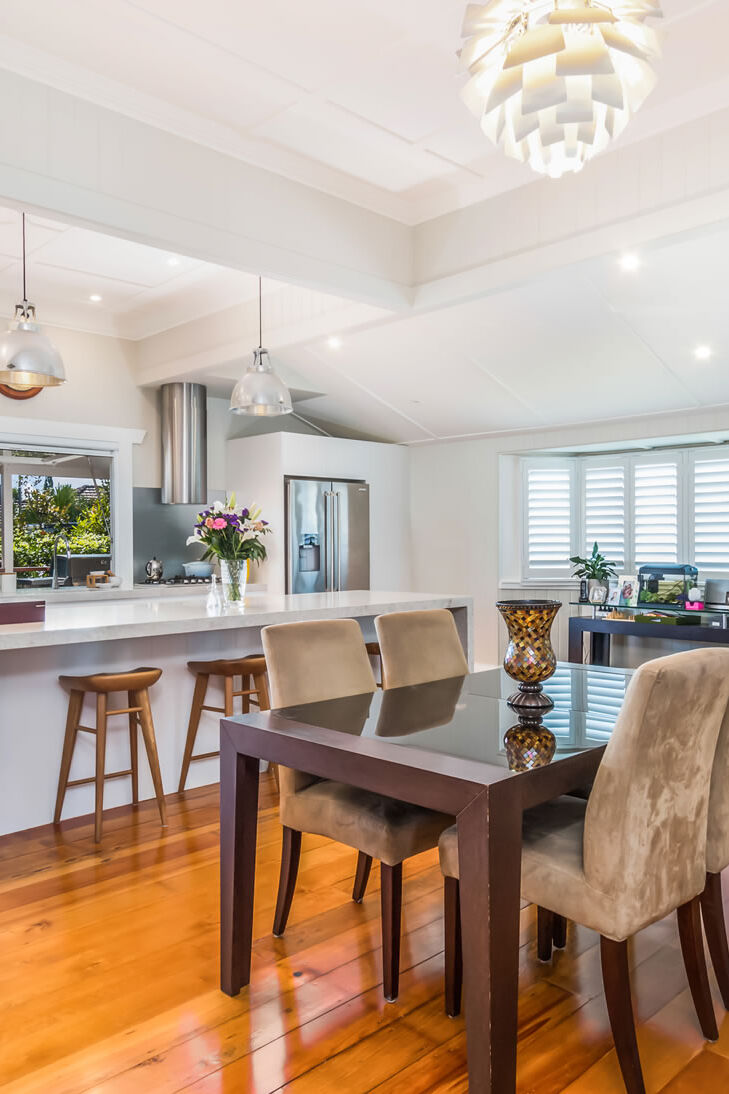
(470, 718)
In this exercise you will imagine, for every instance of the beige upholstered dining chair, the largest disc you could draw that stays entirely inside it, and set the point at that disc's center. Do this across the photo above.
(717, 860)
(419, 647)
(310, 662)
(635, 851)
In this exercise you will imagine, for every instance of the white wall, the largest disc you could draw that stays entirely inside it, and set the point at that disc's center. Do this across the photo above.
(255, 470)
(455, 506)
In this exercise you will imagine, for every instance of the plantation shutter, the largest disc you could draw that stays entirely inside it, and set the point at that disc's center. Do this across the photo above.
(549, 521)
(656, 512)
(605, 512)
(711, 514)
(605, 695)
(559, 690)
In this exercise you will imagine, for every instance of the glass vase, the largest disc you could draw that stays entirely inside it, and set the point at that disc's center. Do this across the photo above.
(233, 578)
(529, 657)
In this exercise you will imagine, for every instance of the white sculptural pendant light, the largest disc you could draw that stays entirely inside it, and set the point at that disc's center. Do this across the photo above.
(553, 82)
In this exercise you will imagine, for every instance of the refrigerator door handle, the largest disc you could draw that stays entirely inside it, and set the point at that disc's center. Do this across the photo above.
(329, 539)
(291, 536)
(338, 512)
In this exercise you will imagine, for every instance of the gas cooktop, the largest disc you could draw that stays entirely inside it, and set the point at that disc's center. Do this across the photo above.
(178, 579)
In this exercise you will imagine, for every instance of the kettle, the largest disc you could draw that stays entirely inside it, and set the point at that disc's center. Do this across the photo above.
(154, 569)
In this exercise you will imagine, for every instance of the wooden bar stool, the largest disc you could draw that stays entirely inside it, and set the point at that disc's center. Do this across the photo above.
(136, 684)
(251, 669)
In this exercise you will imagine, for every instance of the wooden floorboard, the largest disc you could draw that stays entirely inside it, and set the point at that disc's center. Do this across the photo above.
(109, 977)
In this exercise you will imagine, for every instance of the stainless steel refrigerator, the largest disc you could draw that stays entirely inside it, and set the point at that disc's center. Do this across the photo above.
(327, 535)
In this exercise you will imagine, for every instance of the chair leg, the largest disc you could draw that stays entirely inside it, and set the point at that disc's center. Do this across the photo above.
(75, 704)
(198, 698)
(290, 855)
(559, 931)
(133, 752)
(364, 865)
(616, 981)
(694, 958)
(100, 764)
(453, 946)
(147, 726)
(391, 904)
(545, 934)
(712, 908)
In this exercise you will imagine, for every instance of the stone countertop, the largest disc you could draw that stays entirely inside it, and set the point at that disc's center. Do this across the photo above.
(143, 616)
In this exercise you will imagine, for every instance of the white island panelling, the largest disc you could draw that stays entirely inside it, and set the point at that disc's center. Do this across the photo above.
(119, 635)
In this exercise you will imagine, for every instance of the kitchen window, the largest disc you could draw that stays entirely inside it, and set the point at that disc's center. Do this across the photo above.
(664, 506)
(56, 514)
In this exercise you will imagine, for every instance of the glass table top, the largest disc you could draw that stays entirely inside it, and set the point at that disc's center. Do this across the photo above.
(469, 718)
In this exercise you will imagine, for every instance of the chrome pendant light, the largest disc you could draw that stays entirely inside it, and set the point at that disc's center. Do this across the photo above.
(261, 392)
(27, 358)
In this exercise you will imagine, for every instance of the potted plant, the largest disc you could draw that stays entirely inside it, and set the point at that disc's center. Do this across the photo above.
(597, 570)
(233, 536)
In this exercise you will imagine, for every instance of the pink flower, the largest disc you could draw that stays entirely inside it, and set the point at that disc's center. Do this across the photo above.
(219, 523)
(210, 523)
(258, 526)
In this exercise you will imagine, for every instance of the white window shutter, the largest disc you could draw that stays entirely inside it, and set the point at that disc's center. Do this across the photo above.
(605, 695)
(549, 521)
(711, 514)
(656, 512)
(605, 511)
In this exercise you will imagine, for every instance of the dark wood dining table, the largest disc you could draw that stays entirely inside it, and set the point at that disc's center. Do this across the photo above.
(439, 745)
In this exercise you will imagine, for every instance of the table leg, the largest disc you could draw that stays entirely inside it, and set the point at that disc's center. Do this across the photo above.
(489, 850)
(238, 824)
(600, 649)
(574, 651)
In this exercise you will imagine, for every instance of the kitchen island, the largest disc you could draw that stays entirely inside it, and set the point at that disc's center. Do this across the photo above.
(116, 635)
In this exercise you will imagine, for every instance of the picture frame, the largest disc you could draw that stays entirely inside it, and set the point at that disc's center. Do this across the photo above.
(628, 590)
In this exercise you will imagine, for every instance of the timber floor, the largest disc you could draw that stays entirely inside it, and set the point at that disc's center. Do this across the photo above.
(109, 968)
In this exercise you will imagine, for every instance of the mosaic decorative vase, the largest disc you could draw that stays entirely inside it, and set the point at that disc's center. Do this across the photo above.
(529, 656)
(529, 745)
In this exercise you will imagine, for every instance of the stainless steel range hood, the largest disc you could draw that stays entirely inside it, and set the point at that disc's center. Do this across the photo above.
(184, 444)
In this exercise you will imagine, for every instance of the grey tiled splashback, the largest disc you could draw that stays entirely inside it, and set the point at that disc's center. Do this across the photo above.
(161, 530)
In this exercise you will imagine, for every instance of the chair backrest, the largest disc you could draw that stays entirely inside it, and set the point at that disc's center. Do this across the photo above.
(646, 821)
(418, 647)
(717, 836)
(321, 659)
(313, 661)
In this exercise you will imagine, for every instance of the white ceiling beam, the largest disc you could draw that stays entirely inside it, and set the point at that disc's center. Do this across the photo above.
(92, 166)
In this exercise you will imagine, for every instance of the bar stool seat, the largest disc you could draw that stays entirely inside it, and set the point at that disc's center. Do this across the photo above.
(253, 665)
(105, 683)
(136, 683)
(251, 669)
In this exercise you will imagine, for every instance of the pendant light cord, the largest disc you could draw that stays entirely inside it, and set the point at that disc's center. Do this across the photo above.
(260, 314)
(25, 293)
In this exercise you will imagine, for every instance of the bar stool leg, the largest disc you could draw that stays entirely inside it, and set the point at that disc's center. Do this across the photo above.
(229, 689)
(133, 751)
(101, 701)
(75, 705)
(147, 727)
(245, 700)
(261, 686)
(198, 699)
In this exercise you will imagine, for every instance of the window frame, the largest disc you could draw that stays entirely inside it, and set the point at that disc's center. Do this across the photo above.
(685, 459)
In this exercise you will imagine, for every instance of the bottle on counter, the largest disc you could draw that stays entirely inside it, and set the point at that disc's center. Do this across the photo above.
(214, 602)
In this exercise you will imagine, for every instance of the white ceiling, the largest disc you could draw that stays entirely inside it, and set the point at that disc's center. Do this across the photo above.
(143, 290)
(359, 100)
(590, 342)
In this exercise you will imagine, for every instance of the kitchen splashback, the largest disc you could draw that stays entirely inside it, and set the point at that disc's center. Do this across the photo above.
(161, 530)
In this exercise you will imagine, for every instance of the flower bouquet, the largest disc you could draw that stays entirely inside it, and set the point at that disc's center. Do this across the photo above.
(234, 537)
